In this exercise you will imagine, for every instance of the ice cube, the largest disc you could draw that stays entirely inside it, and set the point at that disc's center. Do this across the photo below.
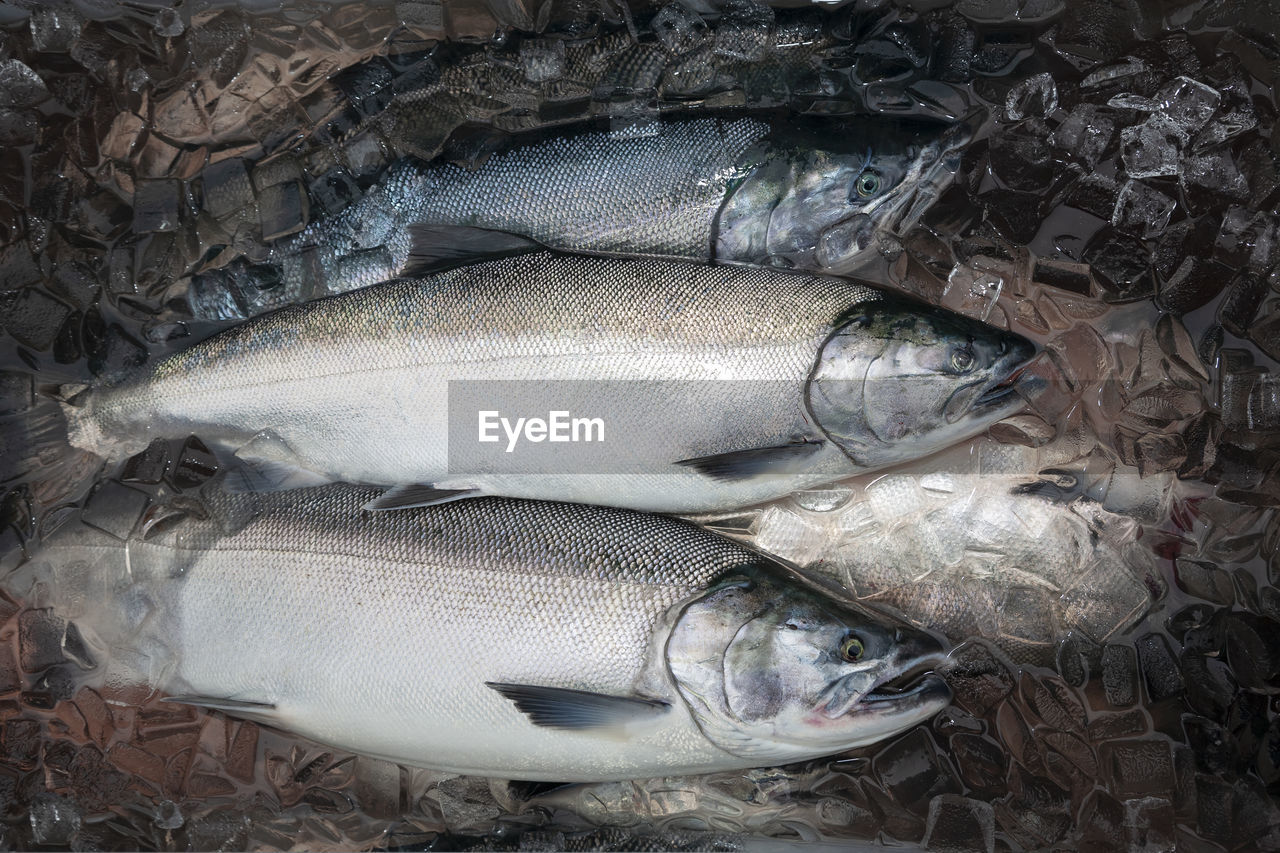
(979, 679)
(1121, 264)
(1037, 95)
(1142, 210)
(115, 508)
(972, 292)
(1263, 410)
(1139, 768)
(1153, 148)
(542, 59)
(1119, 674)
(679, 29)
(1215, 173)
(32, 318)
(1187, 103)
(1159, 668)
(823, 500)
(1085, 134)
(155, 206)
(790, 535)
(54, 29)
(744, 31)
(283, 209)
(227, 187)
(54, 819)
(912, 771)
(957, 823)
(19, 85)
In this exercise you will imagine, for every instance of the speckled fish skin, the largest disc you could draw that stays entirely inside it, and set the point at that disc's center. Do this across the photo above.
(377, 632)
(355, 388)
(703, 189)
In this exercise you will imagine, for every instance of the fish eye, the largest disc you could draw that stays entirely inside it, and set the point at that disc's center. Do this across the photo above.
(851, 649)
(962, 361)
(867, 184)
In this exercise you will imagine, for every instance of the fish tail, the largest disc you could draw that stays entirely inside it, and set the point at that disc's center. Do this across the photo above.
(40, 441)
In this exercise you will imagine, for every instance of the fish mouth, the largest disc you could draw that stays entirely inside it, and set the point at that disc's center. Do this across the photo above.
(1000, 391)
(910, 686)
(933, 172)
(904, 688)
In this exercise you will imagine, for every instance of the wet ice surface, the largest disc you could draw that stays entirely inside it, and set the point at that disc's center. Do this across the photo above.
(1117, 205)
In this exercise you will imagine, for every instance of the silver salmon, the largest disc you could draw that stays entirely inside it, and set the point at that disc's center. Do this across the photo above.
(517, 639)
(739, 191)
(771, 381)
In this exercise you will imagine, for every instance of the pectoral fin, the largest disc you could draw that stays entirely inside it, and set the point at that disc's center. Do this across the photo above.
(560, 708)
(436, 247)
(414, 495)
(739, 465)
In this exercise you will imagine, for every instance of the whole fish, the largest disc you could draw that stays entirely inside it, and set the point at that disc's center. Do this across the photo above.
(518, 639)
(976, 542)
(756, 382)
(738, 191)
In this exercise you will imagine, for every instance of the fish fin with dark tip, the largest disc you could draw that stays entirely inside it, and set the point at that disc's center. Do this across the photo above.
(415, 495)
(262, 712)
(433, 248)
(561, 708)
(739, 465)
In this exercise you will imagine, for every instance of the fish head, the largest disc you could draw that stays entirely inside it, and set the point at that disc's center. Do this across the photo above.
(775, 669)
(820, 202)
(898, 380)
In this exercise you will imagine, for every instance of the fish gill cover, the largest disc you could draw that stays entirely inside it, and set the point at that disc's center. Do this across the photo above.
(1115, 202)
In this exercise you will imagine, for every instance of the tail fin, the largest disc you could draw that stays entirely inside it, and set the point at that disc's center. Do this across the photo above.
(34, 451)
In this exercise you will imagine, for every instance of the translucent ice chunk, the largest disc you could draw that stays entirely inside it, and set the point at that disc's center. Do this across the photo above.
(53, 29)
(542, 59)
(788, 534)
(1187, 103)
(54, 819)
(1141, 209)
(1035, 96)
(957, 823)
(19, 85)
(1085, 133)
(679, 29)
(745, 31)
(1153, 148)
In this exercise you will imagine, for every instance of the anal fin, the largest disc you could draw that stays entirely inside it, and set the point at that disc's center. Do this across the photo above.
(562, 708)
(415, 495)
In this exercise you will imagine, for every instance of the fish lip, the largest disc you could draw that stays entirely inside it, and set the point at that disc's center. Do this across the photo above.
(998, 391)
(918, 673)
(936, 171)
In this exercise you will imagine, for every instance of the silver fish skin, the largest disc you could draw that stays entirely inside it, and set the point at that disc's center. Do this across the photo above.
(454, 637)
(707, 189)
(835, 378)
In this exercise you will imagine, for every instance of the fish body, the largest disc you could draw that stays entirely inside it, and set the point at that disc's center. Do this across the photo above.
(518, 639)
(738, 191)
(772, 381)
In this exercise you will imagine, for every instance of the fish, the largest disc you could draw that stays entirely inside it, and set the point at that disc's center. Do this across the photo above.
(708, 189)
(719, 387)
(503, 638)
(1019, 546)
